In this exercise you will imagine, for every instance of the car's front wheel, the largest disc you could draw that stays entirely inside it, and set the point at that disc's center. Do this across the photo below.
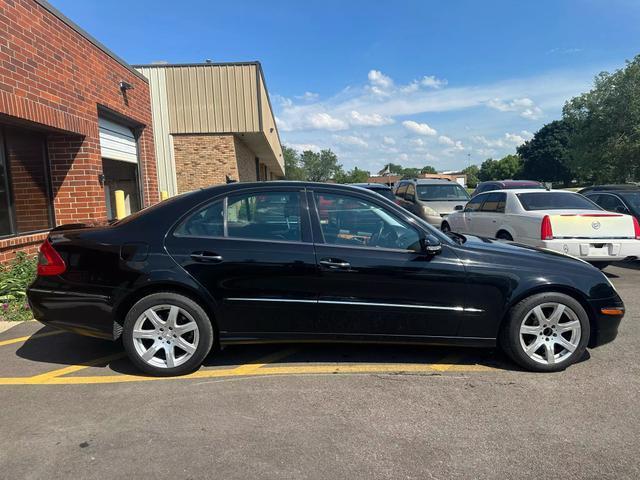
(546, 332)
(167, 334)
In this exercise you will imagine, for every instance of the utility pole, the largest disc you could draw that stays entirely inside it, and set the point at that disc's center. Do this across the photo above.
(468, 159)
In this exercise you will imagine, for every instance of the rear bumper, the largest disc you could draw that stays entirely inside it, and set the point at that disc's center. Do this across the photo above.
(83, 313)
(597, 250)
(605, 327)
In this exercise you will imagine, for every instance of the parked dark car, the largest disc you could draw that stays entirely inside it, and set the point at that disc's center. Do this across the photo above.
(609, 188)
(625, 201)
(505, 185)
(293, 261)
(379, 188)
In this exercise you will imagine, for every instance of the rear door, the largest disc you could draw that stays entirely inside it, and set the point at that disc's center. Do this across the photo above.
(373, 278)
(252, 251)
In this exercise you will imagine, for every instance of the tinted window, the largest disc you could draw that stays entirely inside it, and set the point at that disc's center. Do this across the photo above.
(411, 192)
(442, 192)
(495, 202)
(632, 199)
(264, 216)
(609, 202)
(555, 201)
(347, 220)
(401, 190)
(475, 203)
(385, 192)
(206, 222)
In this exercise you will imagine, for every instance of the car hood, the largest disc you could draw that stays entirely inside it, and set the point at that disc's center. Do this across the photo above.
(513, 249)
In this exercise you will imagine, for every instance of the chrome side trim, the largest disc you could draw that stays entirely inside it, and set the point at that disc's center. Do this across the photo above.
(285, 300)
(68, 293)
(366, 304)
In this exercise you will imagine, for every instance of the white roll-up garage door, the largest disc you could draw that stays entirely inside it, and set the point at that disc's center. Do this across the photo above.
(117, 141)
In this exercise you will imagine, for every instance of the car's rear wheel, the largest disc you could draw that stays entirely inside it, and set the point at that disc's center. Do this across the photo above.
(167, 334)
(546, 332)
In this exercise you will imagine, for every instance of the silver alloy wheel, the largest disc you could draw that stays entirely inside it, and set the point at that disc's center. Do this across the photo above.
(165, 336)
(550, 333)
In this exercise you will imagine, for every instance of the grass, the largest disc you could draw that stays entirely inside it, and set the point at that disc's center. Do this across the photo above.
(14, 280)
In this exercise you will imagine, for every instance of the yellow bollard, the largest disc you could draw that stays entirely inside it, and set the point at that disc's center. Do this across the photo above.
(164, 195)
(120, 208)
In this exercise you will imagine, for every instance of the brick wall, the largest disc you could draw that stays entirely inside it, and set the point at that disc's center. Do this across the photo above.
(53, 76)
(246, 160)
(203, 160)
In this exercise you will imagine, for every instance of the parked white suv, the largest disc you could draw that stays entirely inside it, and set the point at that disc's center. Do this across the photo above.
(557, 220)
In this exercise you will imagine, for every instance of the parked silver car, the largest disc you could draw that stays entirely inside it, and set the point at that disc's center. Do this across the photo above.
(431, 199)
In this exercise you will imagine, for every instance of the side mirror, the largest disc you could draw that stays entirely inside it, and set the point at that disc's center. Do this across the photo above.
(458, 208)
(430, 245)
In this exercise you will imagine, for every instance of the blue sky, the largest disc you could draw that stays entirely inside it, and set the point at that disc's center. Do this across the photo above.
(411, 82)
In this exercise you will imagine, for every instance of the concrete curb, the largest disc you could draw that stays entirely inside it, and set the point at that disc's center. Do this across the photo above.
(4, 326)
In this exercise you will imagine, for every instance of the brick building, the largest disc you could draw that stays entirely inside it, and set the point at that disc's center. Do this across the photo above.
(75, 125)
(212, 121)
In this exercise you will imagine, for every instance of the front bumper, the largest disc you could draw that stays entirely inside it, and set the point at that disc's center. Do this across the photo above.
(597, 250)
(605, 327)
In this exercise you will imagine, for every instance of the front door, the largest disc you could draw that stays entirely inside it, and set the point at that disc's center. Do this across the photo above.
(470, 214)
(374, 279)
(253, 252)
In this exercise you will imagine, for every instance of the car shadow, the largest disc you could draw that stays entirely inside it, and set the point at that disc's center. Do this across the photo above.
(629, 265)
(71, 349)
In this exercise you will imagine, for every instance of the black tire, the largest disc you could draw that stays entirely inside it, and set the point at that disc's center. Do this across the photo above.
(205, 332)
(601, 265)
(502, 235)
(509, 338)
(445, 227)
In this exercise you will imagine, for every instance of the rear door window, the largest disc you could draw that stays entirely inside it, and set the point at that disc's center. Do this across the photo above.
(495, 203)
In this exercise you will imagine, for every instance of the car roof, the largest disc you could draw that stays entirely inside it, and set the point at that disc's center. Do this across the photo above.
(613, 192)
(611, 188)
(371, 185)
(512, 182)
(433, 181)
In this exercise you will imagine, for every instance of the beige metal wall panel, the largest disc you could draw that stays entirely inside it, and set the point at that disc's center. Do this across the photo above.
(161, 136)
(269, 127)
(212, 98)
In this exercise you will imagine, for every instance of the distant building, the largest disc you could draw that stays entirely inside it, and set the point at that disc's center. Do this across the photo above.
(212, 123)
(391, 180)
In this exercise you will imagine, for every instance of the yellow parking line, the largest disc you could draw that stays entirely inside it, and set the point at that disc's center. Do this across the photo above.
(43, 377)
(238, 372)
(447, 362)
(249, 368)
(29, 337)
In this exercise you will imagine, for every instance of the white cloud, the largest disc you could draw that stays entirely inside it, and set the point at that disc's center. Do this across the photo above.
(388, 141)
(417, 142)
(403, 157)
(372, 119)
(431, 81)
(324, 121)
(351, 140)
(509, 139)
(379, 79)
(308, 96)
(419, 128)
(301, 147)
(524, 106)
(443, 139)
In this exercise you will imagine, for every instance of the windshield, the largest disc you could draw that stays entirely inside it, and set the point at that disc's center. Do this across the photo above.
(632, 199)
(555, 201)
(453, 192)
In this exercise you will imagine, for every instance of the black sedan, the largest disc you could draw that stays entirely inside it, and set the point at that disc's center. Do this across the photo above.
(290, 261)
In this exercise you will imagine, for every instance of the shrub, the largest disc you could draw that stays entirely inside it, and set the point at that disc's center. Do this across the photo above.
(14, 280)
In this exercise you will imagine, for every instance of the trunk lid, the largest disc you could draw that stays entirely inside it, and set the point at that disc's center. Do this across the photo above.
(590, 224)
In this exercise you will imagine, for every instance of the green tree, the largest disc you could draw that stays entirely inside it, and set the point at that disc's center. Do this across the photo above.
(392, 168)
(507, 167)
(472, 175)
(546, 157)
(353, 176)
(292, 167)
(605, 146)
(410, 172)
(320, 167)
(428, 169)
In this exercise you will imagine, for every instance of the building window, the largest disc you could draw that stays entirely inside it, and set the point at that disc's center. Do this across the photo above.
(25, 194)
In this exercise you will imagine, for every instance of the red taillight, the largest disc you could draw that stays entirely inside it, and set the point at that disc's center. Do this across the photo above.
(49, 261)
(546, 232)
(636, 228)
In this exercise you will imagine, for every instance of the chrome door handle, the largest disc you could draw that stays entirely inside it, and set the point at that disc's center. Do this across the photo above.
(334, 264)
(206, 257)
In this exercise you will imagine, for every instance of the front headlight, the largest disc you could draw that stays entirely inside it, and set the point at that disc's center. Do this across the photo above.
(429, 212)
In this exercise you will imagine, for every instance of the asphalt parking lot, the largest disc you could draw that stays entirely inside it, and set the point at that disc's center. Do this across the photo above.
(73, 407)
